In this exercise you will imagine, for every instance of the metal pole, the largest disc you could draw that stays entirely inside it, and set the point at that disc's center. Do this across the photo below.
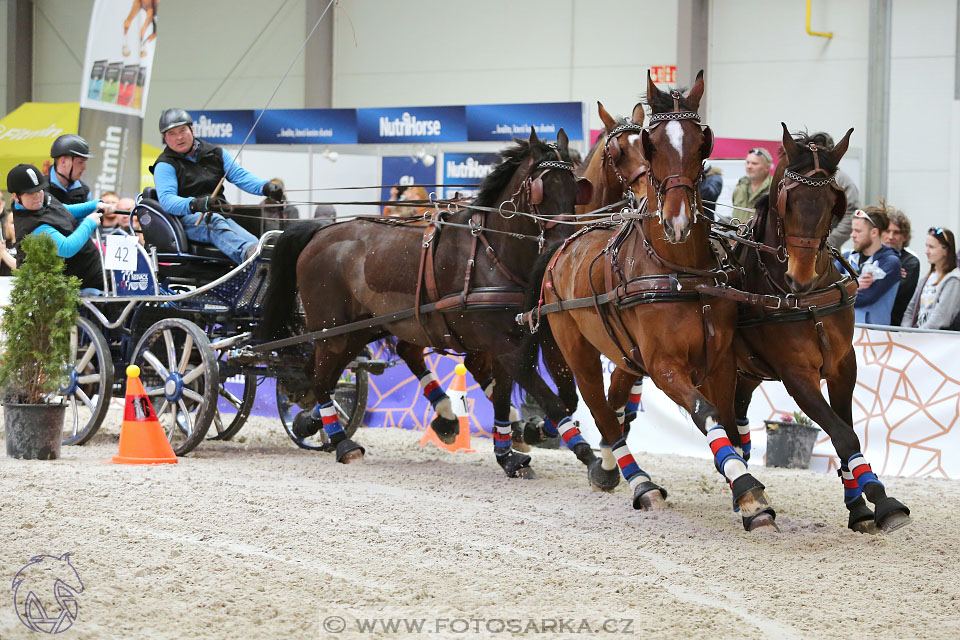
(19, 53)
(878, 100)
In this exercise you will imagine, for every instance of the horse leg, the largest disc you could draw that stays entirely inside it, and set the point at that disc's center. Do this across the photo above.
(514, 464)
(480, 366)
(445, 424)
(626, 390)
(673, 376)
(857, 476)
(331, 358)
(741, 402)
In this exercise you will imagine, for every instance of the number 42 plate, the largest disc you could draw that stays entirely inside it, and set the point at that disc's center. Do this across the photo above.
(121, 252)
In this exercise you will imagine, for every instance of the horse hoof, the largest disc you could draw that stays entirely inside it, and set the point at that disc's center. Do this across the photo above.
(865, 526)
(600, 478)
(305, 425)
(584, 453)
(649, 496)
(349, 451)
(749, 496)
(515, 464)
(518, 443)
(762, 522)
(533, 431)
(894, 521)
(446, 429)
(526, 473)
(353, 456)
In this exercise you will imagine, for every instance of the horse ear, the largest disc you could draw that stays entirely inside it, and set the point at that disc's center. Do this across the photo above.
(651, 88)
(841, 148)
(534, 140)
(562, 141)
(696, 93)
(608, 122)
(638, 113)
(790, 146)
(646, 145)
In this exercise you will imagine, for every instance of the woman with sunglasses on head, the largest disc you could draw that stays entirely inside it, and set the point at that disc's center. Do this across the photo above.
(937, 300)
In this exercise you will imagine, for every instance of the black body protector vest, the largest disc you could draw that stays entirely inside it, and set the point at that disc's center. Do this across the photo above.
(198, 178)
(85, 264)
(76, 195)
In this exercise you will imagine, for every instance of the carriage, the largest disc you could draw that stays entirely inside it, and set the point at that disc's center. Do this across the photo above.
(188, 317)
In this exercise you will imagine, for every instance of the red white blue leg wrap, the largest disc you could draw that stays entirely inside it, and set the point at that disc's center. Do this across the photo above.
(860, 473)
(725, 457)
(327, 414)
(629, 468)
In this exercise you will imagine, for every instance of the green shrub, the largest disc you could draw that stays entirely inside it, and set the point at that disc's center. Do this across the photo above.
(37, 323)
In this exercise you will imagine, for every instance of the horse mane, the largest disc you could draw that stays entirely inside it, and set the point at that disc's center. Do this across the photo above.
(513, 156)
(662, 102)
(805, 162)
(599, 144)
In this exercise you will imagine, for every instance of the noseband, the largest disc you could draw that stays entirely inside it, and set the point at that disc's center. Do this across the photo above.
(790, 180)
(612, 152)
(532, 189)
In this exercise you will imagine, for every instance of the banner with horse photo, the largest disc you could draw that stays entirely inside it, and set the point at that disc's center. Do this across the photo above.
(113, 97)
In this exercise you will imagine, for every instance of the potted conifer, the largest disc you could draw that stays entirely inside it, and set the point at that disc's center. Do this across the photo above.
(36, 345)
(790, 441)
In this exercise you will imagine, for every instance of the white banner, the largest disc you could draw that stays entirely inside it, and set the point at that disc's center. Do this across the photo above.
(905, 409)
(119, 59)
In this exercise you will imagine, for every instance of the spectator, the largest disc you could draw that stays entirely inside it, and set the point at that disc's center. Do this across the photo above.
(840, 232)
(325, 213)
(396, 192)
(128, 205)
(410, 193)
(69, 153)
(8, 259)
(936, 301)
(275, 217)
(710, 188)
(878, 265)
(111, 223)
(753, 185)
(897, 237)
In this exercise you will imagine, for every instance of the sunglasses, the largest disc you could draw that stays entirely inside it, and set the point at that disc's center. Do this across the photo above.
(760, 151)
(937, 231)
(863, 215)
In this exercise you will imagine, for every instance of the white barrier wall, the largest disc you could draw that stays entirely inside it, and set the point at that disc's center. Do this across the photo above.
(905, 409)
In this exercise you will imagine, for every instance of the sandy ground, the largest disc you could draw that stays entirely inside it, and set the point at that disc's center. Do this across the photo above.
(257, 539)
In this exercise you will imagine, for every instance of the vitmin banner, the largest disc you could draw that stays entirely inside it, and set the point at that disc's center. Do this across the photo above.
(113, 97)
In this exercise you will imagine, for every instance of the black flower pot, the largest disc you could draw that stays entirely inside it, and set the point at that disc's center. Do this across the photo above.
(790, 444)
(33, 431)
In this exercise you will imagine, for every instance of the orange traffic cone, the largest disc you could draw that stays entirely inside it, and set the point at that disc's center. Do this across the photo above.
(142, 440)
(458, 400)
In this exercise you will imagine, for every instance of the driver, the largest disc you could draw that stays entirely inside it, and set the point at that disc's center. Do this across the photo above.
(69, 225)
(188, 171)
(70, 153)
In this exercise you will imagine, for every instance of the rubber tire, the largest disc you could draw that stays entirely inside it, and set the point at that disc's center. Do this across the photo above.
(247, 400)
(105, 366)
(210, 377)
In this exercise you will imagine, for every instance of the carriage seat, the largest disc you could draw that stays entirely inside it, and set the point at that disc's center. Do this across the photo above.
(165, 232)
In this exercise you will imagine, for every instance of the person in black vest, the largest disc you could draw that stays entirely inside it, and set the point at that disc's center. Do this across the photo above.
(70, 226)
(187, 173)
(69, 153)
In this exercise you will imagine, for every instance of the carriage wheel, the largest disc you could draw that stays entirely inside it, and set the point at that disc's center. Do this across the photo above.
(227, 424)
(180, 374)
(89, 385)
(350, 399)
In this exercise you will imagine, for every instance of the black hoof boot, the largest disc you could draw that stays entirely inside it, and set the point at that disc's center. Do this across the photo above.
(517, 435)
(349, 451)
(305, 425)
(533, 431)
(516, 465)
(766, 520)
(861, 517)
(600, 478)
(446, 429)
(891, 515)
(649, 496)
(584, 453)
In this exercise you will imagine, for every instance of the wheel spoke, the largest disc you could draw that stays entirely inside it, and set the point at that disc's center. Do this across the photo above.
(185, 358)
(76, 416)
(159, 391)
(173, 421)
(193, 395)
(79, 393)
(195, 373)
(154, 362)
(87, 357)
(232, 399)
(90, 378)
(187, 418)
(171, 349)
(218, 423)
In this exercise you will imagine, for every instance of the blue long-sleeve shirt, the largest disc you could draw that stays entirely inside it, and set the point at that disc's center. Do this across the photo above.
(875, 303)
(68, 246)
(165, 178)
(55, 179)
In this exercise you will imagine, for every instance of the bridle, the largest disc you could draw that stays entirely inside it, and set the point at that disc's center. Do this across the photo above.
(790, 180)
(612, 152)
(532, 190)
(675, 181)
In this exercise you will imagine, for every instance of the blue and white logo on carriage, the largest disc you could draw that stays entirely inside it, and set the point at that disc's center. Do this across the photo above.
(509, 121)
(223, 127)
(412, 124)
(466, 169)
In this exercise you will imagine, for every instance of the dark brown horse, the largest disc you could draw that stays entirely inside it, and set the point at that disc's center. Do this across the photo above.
(655, 322)
(369, 268)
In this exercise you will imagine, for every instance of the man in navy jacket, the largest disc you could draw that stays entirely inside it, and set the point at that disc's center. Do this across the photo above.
(878, 264)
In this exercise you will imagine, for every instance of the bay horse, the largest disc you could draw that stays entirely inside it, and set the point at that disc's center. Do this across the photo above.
(811, 337)
(655, 323)
(375, 267)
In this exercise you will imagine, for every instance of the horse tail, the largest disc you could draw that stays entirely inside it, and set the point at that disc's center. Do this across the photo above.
(281, 296)
(533, 342)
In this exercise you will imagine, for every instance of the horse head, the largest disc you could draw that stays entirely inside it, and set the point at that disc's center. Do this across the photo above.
(622, 161)
(675, 145)
(806, 201)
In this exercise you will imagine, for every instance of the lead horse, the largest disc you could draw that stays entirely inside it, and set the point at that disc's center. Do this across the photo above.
(459, 273)
(629, 293)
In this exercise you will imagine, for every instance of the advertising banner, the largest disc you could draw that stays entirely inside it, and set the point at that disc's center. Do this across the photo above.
(411, 124)
(113, 96)
(509, 121)
(307, 126)
(466, 169)
(223, 127)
